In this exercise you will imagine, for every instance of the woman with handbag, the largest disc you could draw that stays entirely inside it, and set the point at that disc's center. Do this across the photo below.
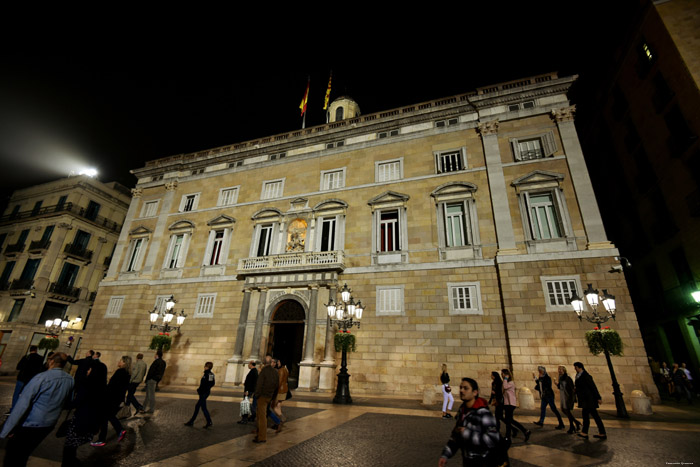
(447, 397)
(509, 406)
(567, 399)
(116, 394)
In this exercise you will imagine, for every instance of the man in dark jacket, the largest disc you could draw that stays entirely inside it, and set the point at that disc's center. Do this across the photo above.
(265, 389)
(83, 366)
(251, 380)
(204, 389)
(544, 386)
(588, 400)
(155, 374)
(29, 366)
(475, 432)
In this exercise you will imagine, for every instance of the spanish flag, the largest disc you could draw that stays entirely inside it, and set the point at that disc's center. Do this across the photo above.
(328, 92)
(302, 106)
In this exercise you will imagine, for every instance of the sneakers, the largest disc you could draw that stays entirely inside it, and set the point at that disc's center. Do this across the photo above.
(97, 444)
(121, 436)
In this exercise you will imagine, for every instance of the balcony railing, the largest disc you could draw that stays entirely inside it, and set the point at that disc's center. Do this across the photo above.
(39, 245)
(69, 208)
(78, 252)
(14, 248)
(306, 260)
(63, 289)
(21, 284)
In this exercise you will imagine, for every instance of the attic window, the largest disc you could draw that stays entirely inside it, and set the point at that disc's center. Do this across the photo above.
(448, 122)
(388, 133)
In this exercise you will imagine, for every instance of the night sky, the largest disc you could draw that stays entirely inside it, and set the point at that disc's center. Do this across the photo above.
(70, 103)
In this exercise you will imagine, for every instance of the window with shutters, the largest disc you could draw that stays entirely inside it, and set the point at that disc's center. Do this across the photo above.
(189, 202)
(534, 147)
(150, 208)
(558, 291)
(135, 254)
(272, 189)
(265, 233)
(205, 306)
(464, 298)
(390, 300)
(114, 307)
(390, 234)
(228, 196)
(332, 179)
(450, 161)
(329, 225)
(386, 171)
(458, 230)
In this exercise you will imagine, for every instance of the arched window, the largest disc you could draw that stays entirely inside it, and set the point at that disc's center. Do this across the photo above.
(338, 114)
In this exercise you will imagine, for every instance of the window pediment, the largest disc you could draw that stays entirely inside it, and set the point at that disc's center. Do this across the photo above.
(181, 225)
(221, 221)
(538, 179)
(331, 206)
(388, 199)
(454, 190)
(267, 215)
(140, 231)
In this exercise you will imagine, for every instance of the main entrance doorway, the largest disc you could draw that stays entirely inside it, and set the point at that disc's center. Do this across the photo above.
(286, 339)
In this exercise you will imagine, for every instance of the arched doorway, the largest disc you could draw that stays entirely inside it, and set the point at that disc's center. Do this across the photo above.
(286, 339)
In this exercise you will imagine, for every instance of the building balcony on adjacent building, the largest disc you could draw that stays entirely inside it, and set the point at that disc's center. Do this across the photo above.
(39, 246)
(4, 286)
(21, 284)
(92, 296)
(65, 208)
(304, 261)
(14, 249)
(76, 251)
(64, 292)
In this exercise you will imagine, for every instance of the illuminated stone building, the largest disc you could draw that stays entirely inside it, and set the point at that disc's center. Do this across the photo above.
(57, 240)
(462, 224)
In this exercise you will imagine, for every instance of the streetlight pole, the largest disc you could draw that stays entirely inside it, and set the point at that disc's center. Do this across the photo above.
(608, 302)
(345, 314)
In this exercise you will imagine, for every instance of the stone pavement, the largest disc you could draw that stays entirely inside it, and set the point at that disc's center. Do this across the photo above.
(373, 431)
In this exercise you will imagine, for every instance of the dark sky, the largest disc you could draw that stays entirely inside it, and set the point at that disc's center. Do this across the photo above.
(115, 104)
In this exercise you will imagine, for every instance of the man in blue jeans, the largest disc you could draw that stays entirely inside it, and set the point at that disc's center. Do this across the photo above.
(544, 386)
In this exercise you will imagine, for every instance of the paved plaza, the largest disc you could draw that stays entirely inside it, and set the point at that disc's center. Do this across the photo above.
(373, 431)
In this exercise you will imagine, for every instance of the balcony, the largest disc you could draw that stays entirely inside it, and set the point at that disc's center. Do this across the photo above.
(306, 261)
(75, 251)
(14, 249)
(39, 246)
(64, 292)
(21, 284)
(58, 209)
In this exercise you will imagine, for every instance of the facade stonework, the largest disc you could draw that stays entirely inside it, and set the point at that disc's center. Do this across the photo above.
(442, 217)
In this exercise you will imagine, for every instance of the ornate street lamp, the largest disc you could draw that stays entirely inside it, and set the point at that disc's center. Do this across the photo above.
(167, 315)
(344, 314)
(58, 325)
(594, 301)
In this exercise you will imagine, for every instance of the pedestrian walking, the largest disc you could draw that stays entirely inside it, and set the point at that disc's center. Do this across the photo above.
(666, 373)
(265, 390)
(87, 412)
(138, 372)
(249, 384)
(588, 401)
(205, 384)
(114, 397)
(567, 399)
(475, 431)
(447, 397)
(496, 399)
(680, 384)
(283, 373)
(36, 411)
(509, 407)
(689, 378)
(83, 365)
(29, 366)
(544, 387)
(155, 374)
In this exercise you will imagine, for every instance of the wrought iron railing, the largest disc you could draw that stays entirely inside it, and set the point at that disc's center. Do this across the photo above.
(63, 289)
(69, 208)
(78, 252)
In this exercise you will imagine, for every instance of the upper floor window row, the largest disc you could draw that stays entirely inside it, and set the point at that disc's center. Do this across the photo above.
(534, 147)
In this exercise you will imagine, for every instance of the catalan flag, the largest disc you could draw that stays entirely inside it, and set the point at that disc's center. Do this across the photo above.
(302, 106)
(328, 92)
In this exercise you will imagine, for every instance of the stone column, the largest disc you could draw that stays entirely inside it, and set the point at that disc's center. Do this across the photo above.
(326, 380)
(123, 241)
(256, 352)
(588, 206)
(236, 364)
(497, 186)
(306, 366)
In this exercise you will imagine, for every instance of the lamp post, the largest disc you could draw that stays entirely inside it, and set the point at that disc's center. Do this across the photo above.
(58, 325)
(167, 315)
(345, 314)
(594, 301)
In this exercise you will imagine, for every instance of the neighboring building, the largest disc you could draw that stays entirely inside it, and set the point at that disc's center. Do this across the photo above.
(463, 224)
(642, 124)
(57, 240)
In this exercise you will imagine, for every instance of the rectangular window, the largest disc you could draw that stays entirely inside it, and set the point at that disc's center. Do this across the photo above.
(449, 161)
(455, 225)
(189, 202)
(328, 225)
(174, 260)
(6, 273)
(544, 220)
(114, 307)
(387, 134)
(464, 298)
(92, 210)
(61, 202)
(272, 189)
(205, 306)
(228, 196)
(530, 149)
(534, 147)
(48, 231)
(150, 208)
(444, 123)
(387, 171)
(264, 240)
(558, 290)
(332, 179)
(36, 208)
(135, 254)
(16, 310)
(217, 246)
(389, 231)
(68, 275)
(29, 271)
(390, 300)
